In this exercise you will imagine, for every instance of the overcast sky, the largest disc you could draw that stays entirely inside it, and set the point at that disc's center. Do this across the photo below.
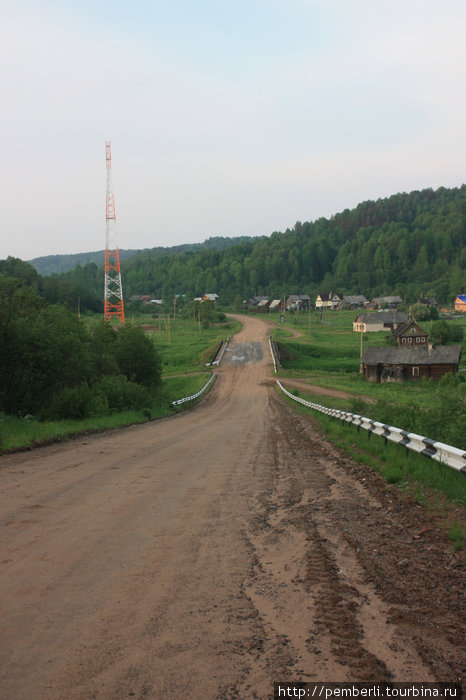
(226, 118)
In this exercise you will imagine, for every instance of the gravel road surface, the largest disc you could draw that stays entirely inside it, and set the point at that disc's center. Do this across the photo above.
(213, 553)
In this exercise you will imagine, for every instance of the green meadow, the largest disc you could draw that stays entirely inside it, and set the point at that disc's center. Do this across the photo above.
(325, 352)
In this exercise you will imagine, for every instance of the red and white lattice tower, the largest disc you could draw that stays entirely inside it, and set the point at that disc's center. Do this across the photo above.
(113, 295)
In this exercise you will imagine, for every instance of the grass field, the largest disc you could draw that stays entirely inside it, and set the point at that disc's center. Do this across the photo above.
(327, 354)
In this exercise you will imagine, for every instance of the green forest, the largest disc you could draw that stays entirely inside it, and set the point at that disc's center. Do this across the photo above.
(56, 366)
(410, 244)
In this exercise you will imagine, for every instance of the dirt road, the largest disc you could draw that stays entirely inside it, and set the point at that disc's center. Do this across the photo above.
(211, 554)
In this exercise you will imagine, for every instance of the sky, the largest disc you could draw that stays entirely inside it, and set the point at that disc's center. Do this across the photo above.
(225, 118)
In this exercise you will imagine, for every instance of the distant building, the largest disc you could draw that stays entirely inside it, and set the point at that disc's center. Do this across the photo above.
(409, 363)
(328, 301)
(410, 333)
(210, 297)
(428, 301)
(460, 303)
(381, 321)
(254, 301)
(385, 302)
(299, 302)
(275, 305)
(353, 301)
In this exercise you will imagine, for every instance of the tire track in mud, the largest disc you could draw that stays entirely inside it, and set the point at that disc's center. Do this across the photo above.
(320, 612)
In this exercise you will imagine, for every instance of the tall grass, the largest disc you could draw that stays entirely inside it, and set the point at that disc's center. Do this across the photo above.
(394, 462)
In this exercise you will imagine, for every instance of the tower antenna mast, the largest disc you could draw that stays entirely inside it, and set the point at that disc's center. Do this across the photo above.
(113, 294)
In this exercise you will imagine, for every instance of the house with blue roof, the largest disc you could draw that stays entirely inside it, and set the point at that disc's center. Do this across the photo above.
(460, 303)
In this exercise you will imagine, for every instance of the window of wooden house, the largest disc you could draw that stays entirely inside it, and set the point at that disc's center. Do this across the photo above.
(415, 371)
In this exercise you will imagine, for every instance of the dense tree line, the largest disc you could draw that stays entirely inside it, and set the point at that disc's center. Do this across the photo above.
(54, 366)
(408, 244)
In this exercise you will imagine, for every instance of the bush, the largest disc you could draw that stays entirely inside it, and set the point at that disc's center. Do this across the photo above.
(122, 395)
(74, 403)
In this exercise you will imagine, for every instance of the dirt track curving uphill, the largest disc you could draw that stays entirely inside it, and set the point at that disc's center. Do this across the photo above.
(209, 555)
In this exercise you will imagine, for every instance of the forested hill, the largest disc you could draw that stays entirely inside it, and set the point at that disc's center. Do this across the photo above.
(55, 264)
(408, 244)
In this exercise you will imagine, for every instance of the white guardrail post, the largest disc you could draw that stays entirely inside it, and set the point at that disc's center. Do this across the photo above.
(224, 347)
(273, 355)
(445, 454)
(195, 396)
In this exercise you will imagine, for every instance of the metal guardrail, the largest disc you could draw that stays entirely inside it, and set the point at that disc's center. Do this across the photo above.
(445, 454)
(194, 396)
(223, 345)
(274, 353)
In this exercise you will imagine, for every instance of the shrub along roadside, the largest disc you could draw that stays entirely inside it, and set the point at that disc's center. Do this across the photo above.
(25, 432)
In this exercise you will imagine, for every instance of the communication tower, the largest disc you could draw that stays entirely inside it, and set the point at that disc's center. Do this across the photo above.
(113, 295)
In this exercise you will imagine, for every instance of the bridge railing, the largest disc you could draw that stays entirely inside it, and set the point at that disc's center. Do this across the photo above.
(195, 396)
(445, 454)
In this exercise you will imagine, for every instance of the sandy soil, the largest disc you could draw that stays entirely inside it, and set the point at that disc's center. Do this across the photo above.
(211, 554)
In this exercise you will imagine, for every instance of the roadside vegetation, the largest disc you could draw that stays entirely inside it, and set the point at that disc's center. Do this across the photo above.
(62, 376)
(325, 352)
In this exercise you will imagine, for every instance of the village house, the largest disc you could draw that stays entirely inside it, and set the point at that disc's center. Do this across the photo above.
(275, 305)
(298, 302)
(381, 321)
(328, 301)
(210, 297)
(263, 306)
(352, 301)
(409, 363)
(428, 301)
(385, 302)
(460, 303)
(410, 333)
(254, 301)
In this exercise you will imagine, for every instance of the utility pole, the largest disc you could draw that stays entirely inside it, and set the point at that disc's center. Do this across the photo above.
(113, 292)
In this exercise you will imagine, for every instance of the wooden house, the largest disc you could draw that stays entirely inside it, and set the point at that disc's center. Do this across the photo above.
(276, 305)
(299, 302)
(352, 301)
(381, 321)
(409, 363)
(328, 301)
(460, 303)
(254, 301)
(263, 306)
(385, 302)
(428, 301)
(410, 333)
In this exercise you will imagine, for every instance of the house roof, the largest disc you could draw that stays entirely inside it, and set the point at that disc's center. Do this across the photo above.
(461, 297)
(383, 317)
(299, 297)
(387, 300)
(428, 301)
(440, 355)
(403, 327)
(255, 300)
(275, 303)
(263, 302)
(354, 298)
